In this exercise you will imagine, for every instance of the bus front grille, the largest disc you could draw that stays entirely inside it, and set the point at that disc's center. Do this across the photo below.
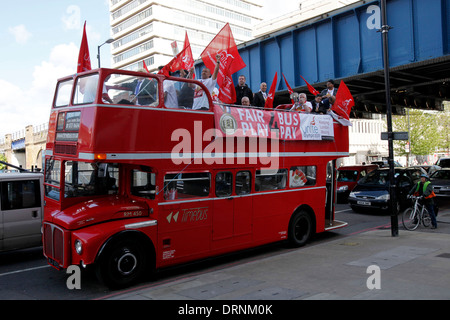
(54, 245)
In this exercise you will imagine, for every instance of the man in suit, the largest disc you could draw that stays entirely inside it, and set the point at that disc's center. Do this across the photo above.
(326, 104)
(259, 99)
(144, 90)
(330, 90)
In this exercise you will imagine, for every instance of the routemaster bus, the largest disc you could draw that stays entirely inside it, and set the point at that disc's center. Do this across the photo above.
(134, 183)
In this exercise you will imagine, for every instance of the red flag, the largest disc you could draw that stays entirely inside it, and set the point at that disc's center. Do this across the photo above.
(271, 95)
(188, 59)
(183, 60)
(84, 60)
(310, 88)
(344, 102)
(145, 66)
(289, 87)
(230, 62)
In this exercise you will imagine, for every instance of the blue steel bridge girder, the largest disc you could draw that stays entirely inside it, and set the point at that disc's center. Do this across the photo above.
(345, 45)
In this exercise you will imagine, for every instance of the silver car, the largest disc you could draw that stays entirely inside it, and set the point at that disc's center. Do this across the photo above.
(21, 210)
(440, 180)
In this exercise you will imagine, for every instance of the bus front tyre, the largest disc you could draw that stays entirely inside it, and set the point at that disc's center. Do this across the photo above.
(122, 264)
(300, 229)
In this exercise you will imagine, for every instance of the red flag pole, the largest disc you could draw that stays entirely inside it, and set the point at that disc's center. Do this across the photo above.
(271, 95)
(224, 45)
(310, 87)
(145, 66)
(84, 59)
(289, 87)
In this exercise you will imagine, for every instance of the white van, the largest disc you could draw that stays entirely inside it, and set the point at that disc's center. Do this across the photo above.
(21, 210)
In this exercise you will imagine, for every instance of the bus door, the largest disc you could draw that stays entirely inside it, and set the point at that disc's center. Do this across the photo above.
(232, 211)
(184, 224)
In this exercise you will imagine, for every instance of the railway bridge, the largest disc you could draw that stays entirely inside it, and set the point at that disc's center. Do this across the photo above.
(346, 45)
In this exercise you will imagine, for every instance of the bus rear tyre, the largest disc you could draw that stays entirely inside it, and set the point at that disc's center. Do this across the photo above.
(122, 264)
(300, 229)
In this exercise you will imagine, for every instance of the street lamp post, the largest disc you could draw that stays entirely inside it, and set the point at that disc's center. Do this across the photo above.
(98, 49)
(384, 31)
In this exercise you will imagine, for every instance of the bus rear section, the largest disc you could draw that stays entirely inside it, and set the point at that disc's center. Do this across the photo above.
(132, 186)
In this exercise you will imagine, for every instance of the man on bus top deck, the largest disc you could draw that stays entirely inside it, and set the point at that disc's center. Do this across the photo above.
(301, 104)
(200, 98)
(143, 89)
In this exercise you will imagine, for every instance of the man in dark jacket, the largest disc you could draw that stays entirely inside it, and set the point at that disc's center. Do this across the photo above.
(242, 90)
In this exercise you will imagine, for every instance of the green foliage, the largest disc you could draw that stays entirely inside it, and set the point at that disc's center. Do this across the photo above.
(424, 131)
(2, 158)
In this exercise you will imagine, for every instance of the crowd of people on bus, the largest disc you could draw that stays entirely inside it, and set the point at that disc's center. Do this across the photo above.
(321, 103)
(187, 95)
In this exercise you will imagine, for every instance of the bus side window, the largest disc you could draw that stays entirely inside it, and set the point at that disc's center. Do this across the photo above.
(243, 182)
(302, 176)
(186, 185)
(266, 180)
(224, 184)
(143, 184)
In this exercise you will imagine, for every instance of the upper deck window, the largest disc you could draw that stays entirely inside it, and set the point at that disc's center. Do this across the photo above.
(120, 89)
(63, 93)
(86, 89)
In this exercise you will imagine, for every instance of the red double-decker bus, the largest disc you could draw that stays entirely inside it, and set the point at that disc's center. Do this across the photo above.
(145, 171)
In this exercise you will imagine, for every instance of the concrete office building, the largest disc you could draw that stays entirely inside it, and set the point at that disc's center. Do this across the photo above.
(146, 29)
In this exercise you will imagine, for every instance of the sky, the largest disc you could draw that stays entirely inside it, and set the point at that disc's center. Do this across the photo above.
(41, 43)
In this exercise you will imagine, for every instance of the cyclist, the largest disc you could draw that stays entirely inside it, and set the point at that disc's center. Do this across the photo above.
(424, 189)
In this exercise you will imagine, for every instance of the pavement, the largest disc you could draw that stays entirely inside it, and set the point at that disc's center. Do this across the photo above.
(371, 265)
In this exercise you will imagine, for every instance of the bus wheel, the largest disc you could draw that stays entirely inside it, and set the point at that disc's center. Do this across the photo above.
(300, 229)
(122, 264)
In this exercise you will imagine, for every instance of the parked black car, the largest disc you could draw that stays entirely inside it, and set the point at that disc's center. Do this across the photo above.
(372, 192)
(440, 180)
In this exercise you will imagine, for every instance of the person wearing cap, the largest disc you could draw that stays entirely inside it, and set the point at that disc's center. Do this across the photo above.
(424, 189)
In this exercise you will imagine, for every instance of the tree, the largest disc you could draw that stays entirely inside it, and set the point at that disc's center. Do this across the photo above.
(444, 126)
(424, 133)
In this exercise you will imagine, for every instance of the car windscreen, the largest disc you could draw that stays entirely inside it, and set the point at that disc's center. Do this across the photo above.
(347, 175)
(376, 177)
(444, 163)
(441, 174)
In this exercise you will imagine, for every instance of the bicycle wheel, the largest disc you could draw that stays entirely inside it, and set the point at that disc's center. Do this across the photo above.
(410, 219)
(426, 218)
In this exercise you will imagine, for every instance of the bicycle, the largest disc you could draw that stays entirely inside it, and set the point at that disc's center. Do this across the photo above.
(415, 215)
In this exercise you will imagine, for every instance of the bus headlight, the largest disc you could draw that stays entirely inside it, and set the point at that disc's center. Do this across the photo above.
(78, 246)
